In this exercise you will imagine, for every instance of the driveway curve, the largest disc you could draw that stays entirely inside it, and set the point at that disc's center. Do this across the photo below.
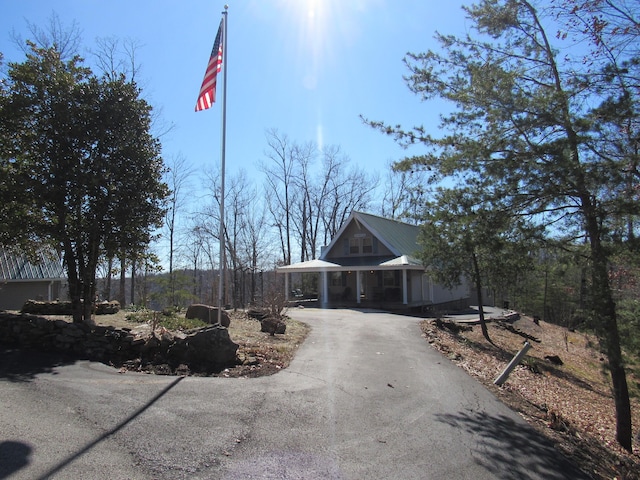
(365, 398)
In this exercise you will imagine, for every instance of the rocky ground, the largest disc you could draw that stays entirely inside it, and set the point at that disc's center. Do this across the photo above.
(259, 353)
(571, 402)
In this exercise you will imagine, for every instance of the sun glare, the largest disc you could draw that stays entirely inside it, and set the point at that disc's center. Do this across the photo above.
(309, 18)
(319, 30)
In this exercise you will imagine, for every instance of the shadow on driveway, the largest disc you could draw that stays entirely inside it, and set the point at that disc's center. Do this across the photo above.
(511, 450)
(13, 457)
(72, 458)
(22, 365)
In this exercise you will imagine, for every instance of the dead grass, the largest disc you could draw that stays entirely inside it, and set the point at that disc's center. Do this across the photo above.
(260, 352)
(569, 403)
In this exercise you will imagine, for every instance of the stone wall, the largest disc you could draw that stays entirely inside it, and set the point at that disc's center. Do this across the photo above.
(57, 307)
(206, 350)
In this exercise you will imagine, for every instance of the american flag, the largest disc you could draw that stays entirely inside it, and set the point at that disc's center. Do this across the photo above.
(208, 90)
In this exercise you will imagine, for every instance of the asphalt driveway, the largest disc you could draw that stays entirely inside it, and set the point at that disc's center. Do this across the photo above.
(365, 398)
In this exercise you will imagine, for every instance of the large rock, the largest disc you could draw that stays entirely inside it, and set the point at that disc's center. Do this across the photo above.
(272, 326)
(209, 349)
(107, 308)
(207, 314)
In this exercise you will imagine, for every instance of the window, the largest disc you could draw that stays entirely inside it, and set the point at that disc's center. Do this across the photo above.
(361, 244)
(354, 246)
(367, 245)
(391, 278)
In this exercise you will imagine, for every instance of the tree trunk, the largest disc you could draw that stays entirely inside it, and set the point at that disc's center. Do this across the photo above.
(88, 297)
(478, 282)
(172, 280)
(133, 281)
(107, 292)
(75, 283)
(605, 312)
(123, 278)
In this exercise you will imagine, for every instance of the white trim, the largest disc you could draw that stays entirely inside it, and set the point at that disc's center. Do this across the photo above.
(325, 288)
(405, 298)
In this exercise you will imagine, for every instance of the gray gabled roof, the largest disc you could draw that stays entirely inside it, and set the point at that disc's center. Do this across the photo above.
(17, 267)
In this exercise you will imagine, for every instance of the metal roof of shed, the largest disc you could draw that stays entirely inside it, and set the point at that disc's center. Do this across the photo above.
(18, 267)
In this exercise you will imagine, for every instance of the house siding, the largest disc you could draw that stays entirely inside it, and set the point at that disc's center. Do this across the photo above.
(444, 295)
(22, 279)
(374, 261)
(13, 295)
(341, 248)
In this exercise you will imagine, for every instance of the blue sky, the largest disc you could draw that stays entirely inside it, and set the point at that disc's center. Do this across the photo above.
(308, 68)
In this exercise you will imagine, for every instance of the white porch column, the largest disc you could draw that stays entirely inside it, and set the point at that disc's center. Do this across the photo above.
(325, 288)
(404, 287)
(286, 286)
(358, 285)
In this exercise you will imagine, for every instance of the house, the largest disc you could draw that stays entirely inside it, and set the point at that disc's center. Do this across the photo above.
(23, 279)
(372, 261)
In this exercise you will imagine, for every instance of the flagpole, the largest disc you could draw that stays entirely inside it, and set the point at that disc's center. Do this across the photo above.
(222, 164)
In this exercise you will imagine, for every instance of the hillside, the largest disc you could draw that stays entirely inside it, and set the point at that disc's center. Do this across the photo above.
(569, 403)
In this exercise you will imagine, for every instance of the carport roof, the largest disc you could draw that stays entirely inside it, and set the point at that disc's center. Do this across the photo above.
(354, 263)
(18, 267)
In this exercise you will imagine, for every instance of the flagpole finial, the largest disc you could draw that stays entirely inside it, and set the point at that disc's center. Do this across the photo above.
(226, 7)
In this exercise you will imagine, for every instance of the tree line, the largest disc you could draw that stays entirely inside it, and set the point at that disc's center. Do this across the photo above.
(306, 195)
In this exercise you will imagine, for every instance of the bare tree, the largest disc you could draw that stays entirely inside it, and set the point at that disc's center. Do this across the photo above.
(350, 189)
(280, 172)
(309, 195)
(311, 200)
(198, 246)
(65, 40)
(177, 178)
(238, 201)
(256, 243)
(404, 194)
(115, 57)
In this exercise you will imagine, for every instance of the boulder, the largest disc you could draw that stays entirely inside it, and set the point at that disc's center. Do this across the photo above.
(207, 314)
(210, 349)
(272, 326)
(107, 308)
